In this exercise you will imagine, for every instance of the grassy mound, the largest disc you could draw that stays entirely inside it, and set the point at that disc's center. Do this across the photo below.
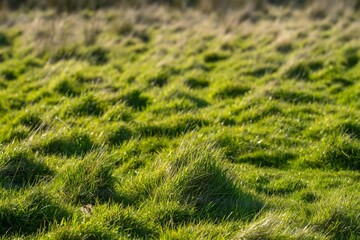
(20, 168)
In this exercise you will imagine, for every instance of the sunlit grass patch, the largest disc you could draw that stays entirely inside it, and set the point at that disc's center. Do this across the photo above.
(86, 181)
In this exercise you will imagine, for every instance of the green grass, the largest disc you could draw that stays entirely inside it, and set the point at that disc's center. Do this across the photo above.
(180, 124)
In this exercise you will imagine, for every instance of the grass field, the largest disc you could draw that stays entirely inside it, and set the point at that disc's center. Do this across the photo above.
(165, 123)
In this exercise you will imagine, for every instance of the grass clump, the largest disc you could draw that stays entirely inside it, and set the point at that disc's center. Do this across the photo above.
(309, 197)
(9, 74)
(120, 135)
(74, 143)
(159, 81)
(339, 152)
(21, 168)
(339, 225)
(66, 52)
(285, 47)
(136, 100)
(87, 105)
(87, 181)
(125, 28)
(339, 222)
(126, 221)
(215, 57)
(282, 186)
(299, 71)
(351, 128)
(31, 120)
(196, 83)
(297, 97)
(262, 71)
(198, 178)
(16, 134)
(172, 129)
(67, 87)
(267, 159)
(97, 55)
(172, 214)
(119, 112)
(4, 40)
(351, 58)
(231, 91)
(29, 215)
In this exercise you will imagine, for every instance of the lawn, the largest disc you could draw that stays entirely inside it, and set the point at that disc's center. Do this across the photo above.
(166, 123)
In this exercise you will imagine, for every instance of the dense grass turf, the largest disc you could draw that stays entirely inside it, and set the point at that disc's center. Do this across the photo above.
(180, 125)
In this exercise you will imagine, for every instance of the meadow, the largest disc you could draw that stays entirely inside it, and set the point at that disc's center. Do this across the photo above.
(160, 122)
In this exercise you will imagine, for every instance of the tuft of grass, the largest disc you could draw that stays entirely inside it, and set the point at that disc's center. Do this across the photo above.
(172, 129)
(97, 55)
(309, 197)
(172, 214)
(262, 71)
(282, 186)
(4, 40)
(339, 152)
(9, 74)
(127, 222)
(339, 222)
(21, 168)
(87, 105)
(297, 96)
(351, 58)
(31, 119)
(87, 181)
(198, 178)
(285, 48)
(73, 143)
(136, 100)
(29, 215)
(351, 128)
(120, 135)
(215, 57)
(64, 53)
(125, 28)
(68, 87)
(298, 71)
(119, 112)
(267, 159)
(231, 91)
(159, 81)
(195, 83)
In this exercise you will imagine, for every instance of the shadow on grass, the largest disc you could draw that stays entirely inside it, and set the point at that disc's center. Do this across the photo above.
(32, 214)
(198, 178)
(181, 126)
(21, 168)
(75, 143)
(136, 100)
(267, 159)
(190, 185)
(231, 91)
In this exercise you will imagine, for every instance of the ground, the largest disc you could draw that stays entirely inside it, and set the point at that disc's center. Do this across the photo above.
(180, 124)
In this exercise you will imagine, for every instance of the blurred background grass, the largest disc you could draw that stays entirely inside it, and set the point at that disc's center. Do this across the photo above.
(204, 5)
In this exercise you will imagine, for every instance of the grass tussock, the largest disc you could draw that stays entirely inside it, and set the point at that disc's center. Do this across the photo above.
(88, 181)
(30, 214)
(21, 168)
